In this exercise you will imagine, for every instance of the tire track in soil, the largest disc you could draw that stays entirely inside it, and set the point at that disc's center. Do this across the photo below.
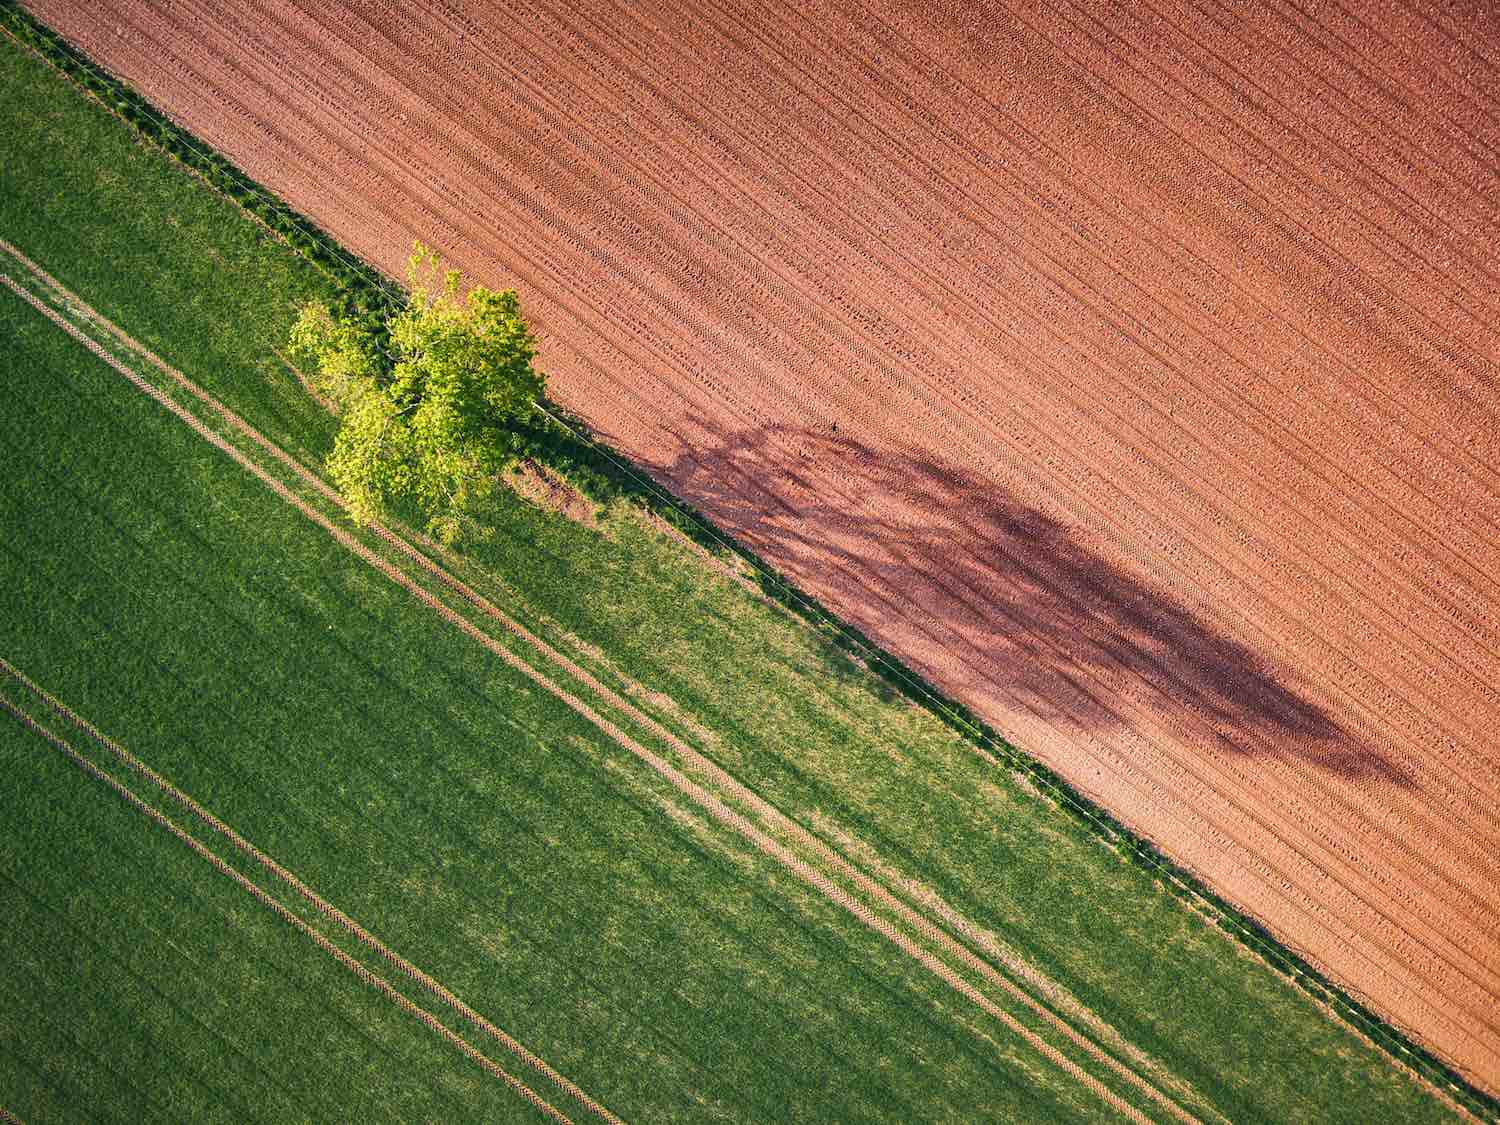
(766, 813)
(1393, 724)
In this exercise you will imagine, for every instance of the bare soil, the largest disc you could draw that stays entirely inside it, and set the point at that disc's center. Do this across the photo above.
(548, 489)
(1130, 370)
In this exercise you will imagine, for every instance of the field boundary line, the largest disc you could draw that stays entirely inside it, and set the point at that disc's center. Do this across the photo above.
(905, 886)
(1459, 964)
(923, 926)
(1400, 1046)
(380, 984)
(1105, 1037)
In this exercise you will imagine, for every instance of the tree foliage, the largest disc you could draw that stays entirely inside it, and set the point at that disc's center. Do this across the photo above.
(433, 404)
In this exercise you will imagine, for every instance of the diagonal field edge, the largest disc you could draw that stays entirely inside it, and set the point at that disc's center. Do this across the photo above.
(699, 795)
(861, 856)
(766, 812)
(162, 820)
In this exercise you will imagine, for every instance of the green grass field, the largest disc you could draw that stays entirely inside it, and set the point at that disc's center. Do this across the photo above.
(492, 835)
(143, 985)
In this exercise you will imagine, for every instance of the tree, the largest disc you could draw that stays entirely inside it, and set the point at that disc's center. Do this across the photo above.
(435, 416)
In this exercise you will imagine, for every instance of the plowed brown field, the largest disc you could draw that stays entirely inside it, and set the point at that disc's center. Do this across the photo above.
(1130, 370)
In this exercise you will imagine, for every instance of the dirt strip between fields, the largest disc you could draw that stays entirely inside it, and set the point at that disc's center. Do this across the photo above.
(705, 767)
(162, 820)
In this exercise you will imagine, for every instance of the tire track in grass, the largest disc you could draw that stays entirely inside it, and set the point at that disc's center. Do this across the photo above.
(349, 924)
(982, 940)
(320, 904)
(767, 813)
(806, 841)
(1000, 951)
(380, 984)
(581, 986)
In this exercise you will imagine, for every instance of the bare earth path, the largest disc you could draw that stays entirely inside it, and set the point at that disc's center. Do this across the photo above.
(1130, 370)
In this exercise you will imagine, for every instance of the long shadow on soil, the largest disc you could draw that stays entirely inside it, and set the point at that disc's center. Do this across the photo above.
(1007, 600)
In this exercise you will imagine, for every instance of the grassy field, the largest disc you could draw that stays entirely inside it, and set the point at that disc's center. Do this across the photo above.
(496, 837)
(125, 951)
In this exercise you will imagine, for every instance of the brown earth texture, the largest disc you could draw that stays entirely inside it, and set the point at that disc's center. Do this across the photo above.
(1127, 369)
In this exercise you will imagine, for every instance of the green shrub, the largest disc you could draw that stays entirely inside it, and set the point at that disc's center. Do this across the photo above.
(433, 403)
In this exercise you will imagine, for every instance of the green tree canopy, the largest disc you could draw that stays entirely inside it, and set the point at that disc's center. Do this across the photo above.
(434, 416)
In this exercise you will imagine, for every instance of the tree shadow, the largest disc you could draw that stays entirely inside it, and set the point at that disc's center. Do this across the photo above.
(995, 598)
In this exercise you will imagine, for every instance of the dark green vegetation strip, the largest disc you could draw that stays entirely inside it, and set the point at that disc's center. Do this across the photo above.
(794, 717)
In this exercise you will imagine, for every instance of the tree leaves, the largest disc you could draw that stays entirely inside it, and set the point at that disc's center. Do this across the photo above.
(433, 400)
